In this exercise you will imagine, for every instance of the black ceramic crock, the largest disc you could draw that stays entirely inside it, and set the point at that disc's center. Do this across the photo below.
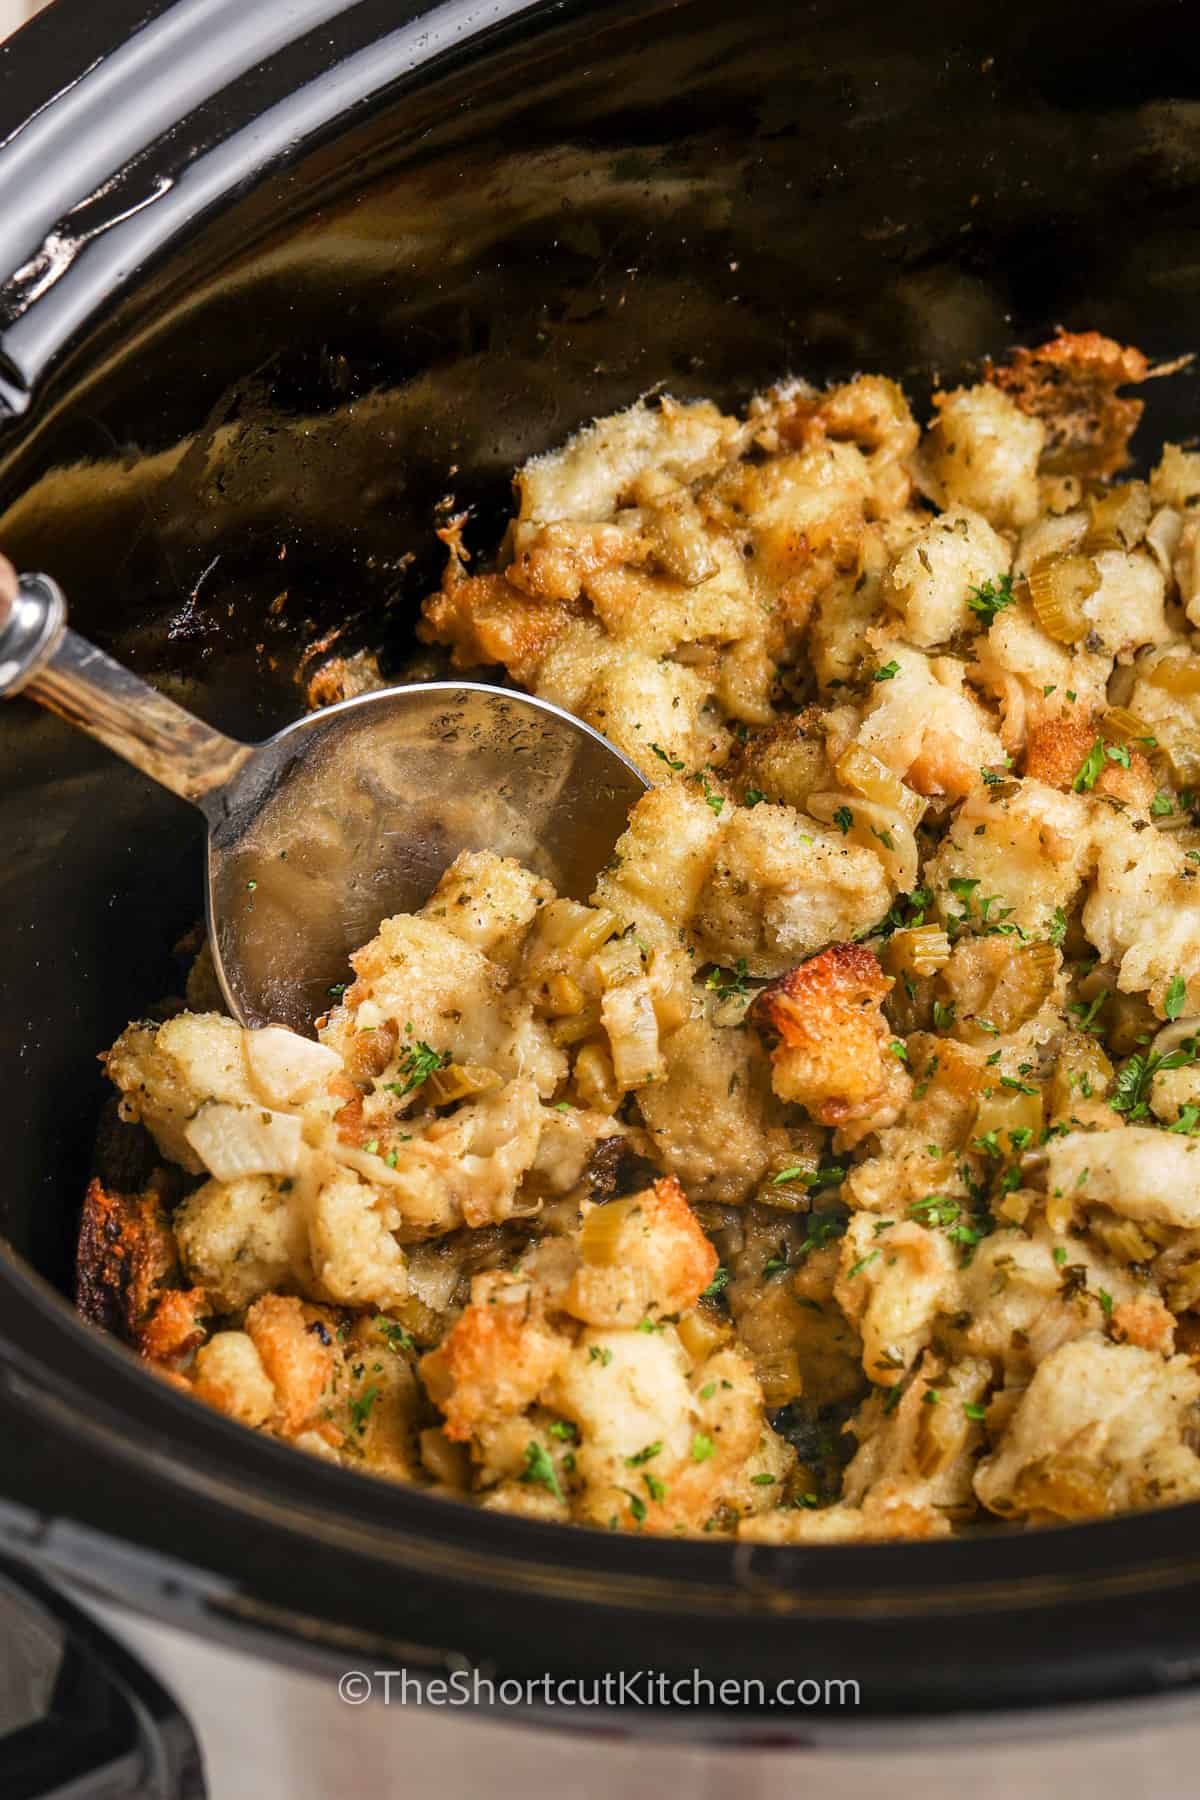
(274, 280)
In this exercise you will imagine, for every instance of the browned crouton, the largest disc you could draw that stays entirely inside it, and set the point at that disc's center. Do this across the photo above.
(125, 1260)
(831, 1055)
(1058, 748)
(1071, 384)
(642, 1256)
(297, 1351)
(497, 1359)
(486, 620)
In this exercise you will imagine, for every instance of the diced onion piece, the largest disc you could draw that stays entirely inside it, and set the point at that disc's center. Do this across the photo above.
(595, 1079)
(701, 1332)
(1162, 538)
(1171, 1036)
(1058, 586)
(564, 997)
(1025, 981)
(600, 1233)
(420, 1313)
(618, 962)
(448, 1463)
(1082, 1071)
(1060, 1212)
(591, 932)
(232, 1141)
(1015, 1207)
(1008, 1109)
(1183, 759)
(1178, 675)
(632, 1027)
(1124, 1239)
(883, 830)
(779, 1376)
(458, 1080)
(921, 950)
(1119, 517)
(288, 1069)
(567, 929)
(576, 1026)
(864, 774)
(1184, 1291)
(940, 1436)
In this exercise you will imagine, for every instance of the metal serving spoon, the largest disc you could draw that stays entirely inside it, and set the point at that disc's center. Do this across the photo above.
(343, 817)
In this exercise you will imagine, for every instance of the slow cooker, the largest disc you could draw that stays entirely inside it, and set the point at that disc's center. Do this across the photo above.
(275, 279)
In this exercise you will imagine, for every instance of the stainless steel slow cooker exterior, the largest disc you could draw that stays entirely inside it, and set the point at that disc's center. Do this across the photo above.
(274, 278)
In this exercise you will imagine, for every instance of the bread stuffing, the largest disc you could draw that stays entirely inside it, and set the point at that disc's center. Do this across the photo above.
(834, 1174)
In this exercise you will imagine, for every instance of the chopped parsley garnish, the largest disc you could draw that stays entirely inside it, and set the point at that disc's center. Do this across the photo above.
(671, 761)
(1085, 1016)
(601, 1355)
(862, 1263)
(729, 984)
(719, 1282)
(714, 801)
(1161, 806)
(753, 797)
(1090, 769)
(398, 1339)
(823, 1228)
(1057, 929)
(539, 1470)
(1186, 1123)
(1175, 997)
(1131, 1089)
(973, 1409)
(565, 1430)
(991, 597)
(887, 672)
(934, 1210)
(703, 1448)
(843, 818)
(417, 1063)
(644, 1455)
(808, 1177)
(360, 1408)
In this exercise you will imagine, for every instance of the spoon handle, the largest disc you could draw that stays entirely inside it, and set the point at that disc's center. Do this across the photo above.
(44, 660)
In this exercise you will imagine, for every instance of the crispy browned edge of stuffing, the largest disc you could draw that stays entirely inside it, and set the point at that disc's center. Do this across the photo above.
(1071, 384)
(127, 1270)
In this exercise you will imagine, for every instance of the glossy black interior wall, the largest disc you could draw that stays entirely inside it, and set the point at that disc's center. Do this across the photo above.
(457, 273)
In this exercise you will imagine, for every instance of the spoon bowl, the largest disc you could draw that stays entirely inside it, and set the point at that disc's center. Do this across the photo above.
(345, 816)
